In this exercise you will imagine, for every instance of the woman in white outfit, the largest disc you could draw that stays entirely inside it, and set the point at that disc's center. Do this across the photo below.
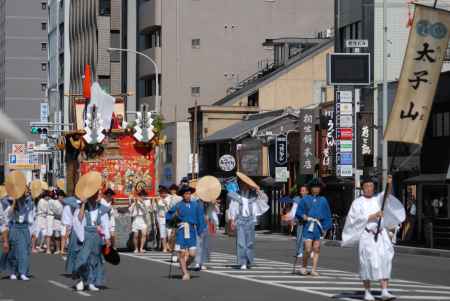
(375, 255)
(139, 225)
(55, 209)
(162, 206)
(41, 220)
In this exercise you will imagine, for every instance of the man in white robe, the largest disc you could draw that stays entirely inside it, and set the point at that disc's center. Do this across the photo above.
(375, 255)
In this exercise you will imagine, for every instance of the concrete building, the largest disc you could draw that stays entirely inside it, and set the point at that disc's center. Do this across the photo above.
(23, 63)
(206, 48)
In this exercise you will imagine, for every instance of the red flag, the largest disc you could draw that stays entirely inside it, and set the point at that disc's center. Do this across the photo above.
(87, 82)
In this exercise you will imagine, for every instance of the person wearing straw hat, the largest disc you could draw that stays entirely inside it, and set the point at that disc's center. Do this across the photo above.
(73, 247)
(316, 215)
(189, 217)
(91, 226)
(375, 251)
(16, 237)
(107, 200)
(36, 193)
(41, 215)
(244, 209)
(208, 190)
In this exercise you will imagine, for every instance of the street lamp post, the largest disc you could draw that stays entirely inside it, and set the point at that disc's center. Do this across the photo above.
(157, 100)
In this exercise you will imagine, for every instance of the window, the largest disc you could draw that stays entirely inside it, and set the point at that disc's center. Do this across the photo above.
(44, 46)
(43, 87)
(441, 124)
(168, 152)
(253, 99)
(148, 86)
(44, 5)
(44, 66)
(105, 8)
(195, 91)
(44, 26)
(195, 43)
(115, 43)
(152, 39)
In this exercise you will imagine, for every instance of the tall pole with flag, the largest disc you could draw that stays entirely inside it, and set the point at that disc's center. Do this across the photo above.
(427, 46)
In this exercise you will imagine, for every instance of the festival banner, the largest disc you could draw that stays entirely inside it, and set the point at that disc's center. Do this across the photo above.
(427, 46)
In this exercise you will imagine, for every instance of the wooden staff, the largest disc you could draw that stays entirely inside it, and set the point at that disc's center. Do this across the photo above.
(383, 204)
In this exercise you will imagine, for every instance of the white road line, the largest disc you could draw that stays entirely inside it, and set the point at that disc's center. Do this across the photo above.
(61, 285)
(443, 289)
(253, 276)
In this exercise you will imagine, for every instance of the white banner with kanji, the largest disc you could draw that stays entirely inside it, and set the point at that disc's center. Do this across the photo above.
(427, 46)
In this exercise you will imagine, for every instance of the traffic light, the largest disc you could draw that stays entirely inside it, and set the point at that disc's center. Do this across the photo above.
(39, 130)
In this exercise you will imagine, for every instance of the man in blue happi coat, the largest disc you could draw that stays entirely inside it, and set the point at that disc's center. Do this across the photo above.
(188, 215)
(315, 212)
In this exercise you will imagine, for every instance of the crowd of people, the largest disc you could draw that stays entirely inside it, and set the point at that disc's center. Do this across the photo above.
(37, 218)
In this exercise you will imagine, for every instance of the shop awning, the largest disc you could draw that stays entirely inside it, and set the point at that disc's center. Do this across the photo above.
(427, 178)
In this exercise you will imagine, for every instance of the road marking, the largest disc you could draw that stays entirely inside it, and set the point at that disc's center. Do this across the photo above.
(61, 285)
(275, 274)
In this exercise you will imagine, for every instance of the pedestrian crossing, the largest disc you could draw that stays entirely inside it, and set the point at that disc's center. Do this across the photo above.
(332, 283)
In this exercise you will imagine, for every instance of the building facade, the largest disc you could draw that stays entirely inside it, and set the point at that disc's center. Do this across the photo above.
(204, 49)
(23, 63)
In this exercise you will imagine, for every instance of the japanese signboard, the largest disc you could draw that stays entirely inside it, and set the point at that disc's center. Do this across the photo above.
(281, 155)
(44, 112)
(281, 174)
(365, 139)
(307, 141)
(344, 133)
(227, 163)
(328, 142)
(427, 45)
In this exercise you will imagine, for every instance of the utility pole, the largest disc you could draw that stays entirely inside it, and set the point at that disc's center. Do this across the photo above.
(194, 151)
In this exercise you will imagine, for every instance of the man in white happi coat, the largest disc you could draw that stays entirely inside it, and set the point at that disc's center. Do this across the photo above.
(375, 247)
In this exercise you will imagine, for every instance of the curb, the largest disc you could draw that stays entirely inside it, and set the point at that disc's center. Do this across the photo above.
(403, 250)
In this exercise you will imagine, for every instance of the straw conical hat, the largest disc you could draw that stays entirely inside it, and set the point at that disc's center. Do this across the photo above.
(36, 188)
(208, 188)
(44, 185)
(3, 192)
(61, 184)
(15, 184)
(88, 185)
(244, 178)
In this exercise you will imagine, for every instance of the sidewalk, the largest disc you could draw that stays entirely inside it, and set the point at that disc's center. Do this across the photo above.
(264, 234)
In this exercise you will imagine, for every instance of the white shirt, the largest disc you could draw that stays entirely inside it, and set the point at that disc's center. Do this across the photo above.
(140, 208)
(42, 208)
(78, 226)
(413, 209)
(259, 206)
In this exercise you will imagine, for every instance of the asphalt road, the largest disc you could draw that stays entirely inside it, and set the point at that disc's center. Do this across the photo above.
(146, 276)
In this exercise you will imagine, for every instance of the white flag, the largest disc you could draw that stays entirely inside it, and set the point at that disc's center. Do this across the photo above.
(104, 104)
